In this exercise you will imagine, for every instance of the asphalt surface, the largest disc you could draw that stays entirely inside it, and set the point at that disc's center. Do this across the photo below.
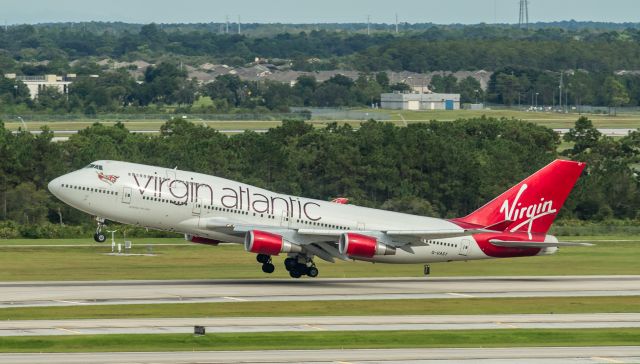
(629, 354)
(33, 294)
(317, 323)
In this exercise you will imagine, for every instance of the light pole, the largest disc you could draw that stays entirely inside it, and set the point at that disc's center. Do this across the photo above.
(537, 93)
(24, 125)
(477, 93)
(15, 91)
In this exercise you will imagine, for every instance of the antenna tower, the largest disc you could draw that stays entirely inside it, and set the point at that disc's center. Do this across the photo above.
(396, 23)
(368, 24)
(523, 21)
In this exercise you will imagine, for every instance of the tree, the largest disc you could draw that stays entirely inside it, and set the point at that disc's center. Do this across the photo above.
(382, 78)
(470, 90)
(616, 93)
(507, 88)
(444, 84)
(583, 136)
(26, 204)
(227, 87)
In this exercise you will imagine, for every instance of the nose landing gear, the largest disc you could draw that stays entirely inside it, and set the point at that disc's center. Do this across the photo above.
(99, 237)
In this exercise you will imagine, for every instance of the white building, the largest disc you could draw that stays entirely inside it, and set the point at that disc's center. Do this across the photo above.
(420, 101)
(35, 84)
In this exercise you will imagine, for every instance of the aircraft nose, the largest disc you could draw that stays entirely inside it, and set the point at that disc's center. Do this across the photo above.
(55, 186)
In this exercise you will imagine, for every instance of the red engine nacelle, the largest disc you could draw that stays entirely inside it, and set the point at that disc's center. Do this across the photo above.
(262, 242)
(201, 240)
(356, 245)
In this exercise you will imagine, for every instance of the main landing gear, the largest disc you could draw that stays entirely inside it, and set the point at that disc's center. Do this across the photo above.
(267, 264)
(99, 237)
(299, 266)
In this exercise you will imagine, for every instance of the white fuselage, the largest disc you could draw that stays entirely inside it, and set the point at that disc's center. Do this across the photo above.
(185, 202)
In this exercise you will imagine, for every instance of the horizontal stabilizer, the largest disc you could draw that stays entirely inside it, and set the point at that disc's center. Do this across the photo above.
(501, 226)
(534, 244)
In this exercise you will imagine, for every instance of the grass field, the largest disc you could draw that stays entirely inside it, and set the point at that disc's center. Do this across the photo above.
(454, 306)
(611, 255)
(549, 119)
(321, 340)
(399, 117)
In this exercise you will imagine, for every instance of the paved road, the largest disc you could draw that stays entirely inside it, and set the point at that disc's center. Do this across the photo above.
(23, 294)
(629, 354)
(318, 323)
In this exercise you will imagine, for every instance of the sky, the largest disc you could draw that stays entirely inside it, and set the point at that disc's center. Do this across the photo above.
(324, 11)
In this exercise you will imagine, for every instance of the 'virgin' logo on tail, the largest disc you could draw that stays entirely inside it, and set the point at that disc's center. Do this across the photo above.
(516, 212)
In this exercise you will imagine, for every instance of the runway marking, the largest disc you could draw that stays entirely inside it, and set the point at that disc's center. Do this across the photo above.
(460, 294)
(74, 302)
(67, 330)
(608, 360)
(235, 299)
(508, 325)
(314, 327)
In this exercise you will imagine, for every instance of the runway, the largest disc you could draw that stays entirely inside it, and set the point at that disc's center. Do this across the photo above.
(318, 323)
(548, 355)
(33, 294)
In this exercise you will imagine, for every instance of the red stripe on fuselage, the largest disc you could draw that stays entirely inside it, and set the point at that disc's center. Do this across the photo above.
(506, 252)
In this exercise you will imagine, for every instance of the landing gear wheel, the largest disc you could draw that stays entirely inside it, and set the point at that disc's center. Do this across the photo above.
(312, 272)
(290, 263)
(268, 268)
(295, 273)
(263, 258)
(99, 237)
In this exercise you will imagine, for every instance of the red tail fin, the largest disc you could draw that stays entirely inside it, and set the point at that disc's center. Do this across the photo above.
(532, 204)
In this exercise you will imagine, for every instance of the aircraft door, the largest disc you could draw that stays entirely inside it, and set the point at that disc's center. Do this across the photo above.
(197, 207)
(464, 247)
(126, 195)
(285, 220)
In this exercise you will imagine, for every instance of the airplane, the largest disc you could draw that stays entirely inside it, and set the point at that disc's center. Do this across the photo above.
(210, 210)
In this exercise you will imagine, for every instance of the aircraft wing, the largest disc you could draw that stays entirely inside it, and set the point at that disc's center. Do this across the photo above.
(534, 244)
(303, 236)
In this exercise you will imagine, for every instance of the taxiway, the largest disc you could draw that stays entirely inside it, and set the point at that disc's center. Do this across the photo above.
(544, 355)
(318, 323)
(30, 294)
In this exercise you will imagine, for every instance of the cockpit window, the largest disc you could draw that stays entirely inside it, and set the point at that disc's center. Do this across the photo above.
(94, 166)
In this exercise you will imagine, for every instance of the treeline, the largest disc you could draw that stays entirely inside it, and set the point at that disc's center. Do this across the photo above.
(436, 169)
(526, 86)
(270, 29)
(166, 87)
(434, 49)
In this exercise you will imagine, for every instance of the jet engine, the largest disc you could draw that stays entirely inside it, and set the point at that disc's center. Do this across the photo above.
(356, 245)
(262, 242)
